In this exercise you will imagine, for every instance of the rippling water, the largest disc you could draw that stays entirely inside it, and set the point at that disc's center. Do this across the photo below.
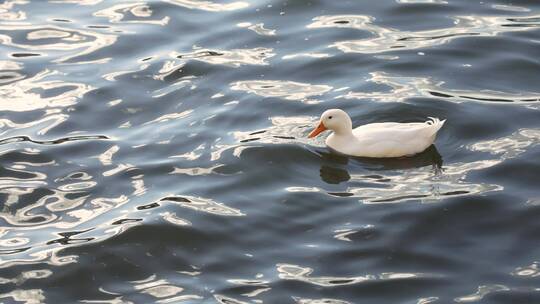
(156, 151)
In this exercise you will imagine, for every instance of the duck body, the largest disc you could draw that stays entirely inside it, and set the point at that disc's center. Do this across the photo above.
(377, 140)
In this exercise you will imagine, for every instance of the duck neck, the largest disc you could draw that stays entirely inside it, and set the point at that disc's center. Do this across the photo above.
(344, 129)
(343, 133)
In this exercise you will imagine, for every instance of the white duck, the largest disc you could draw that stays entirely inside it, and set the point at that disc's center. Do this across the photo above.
(387, 139)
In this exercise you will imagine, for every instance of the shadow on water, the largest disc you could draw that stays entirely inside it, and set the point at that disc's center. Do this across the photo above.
(334, 167)
(394, 180)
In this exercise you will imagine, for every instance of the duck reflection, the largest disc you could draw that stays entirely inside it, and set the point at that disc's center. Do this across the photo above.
(332, 175)
(334, 167)
(418, 178)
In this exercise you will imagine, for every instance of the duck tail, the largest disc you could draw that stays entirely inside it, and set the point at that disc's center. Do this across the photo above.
(436, 124)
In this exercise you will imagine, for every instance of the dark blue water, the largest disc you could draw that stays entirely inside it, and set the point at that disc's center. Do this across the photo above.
(156, 152)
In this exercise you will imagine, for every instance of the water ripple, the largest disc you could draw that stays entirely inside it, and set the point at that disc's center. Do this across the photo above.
(258, 28)
(233, 57)
(209, 5)
(388, 39)
(288, 90)
(319, 301)
(227, 300)
(51, 142)
(46, 123)
(481, 293)
(204, 205)
(7, 12)
(403, 88)
(150, 148)
(423, 1)
(530, 271)
(511, 8)
(29, 296)
(284, 129)
(125, 13)
(54, 39)
(303, 274)
(510, 146)
(159, 289)
(32, 93)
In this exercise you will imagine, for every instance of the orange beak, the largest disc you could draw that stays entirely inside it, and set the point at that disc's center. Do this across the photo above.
(320, 128)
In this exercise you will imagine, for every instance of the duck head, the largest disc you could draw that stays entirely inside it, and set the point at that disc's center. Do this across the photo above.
(335, 120)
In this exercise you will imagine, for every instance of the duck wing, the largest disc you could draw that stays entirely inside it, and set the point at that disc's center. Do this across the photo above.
(391, 139)
(399, 130)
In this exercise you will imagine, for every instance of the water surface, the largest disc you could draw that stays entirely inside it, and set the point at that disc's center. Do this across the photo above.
(156, 151)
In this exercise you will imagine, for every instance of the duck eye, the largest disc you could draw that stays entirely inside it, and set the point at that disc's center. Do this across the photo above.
(329, 117)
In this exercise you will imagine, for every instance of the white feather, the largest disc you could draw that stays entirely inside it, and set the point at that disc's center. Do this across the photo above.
(389, 139)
